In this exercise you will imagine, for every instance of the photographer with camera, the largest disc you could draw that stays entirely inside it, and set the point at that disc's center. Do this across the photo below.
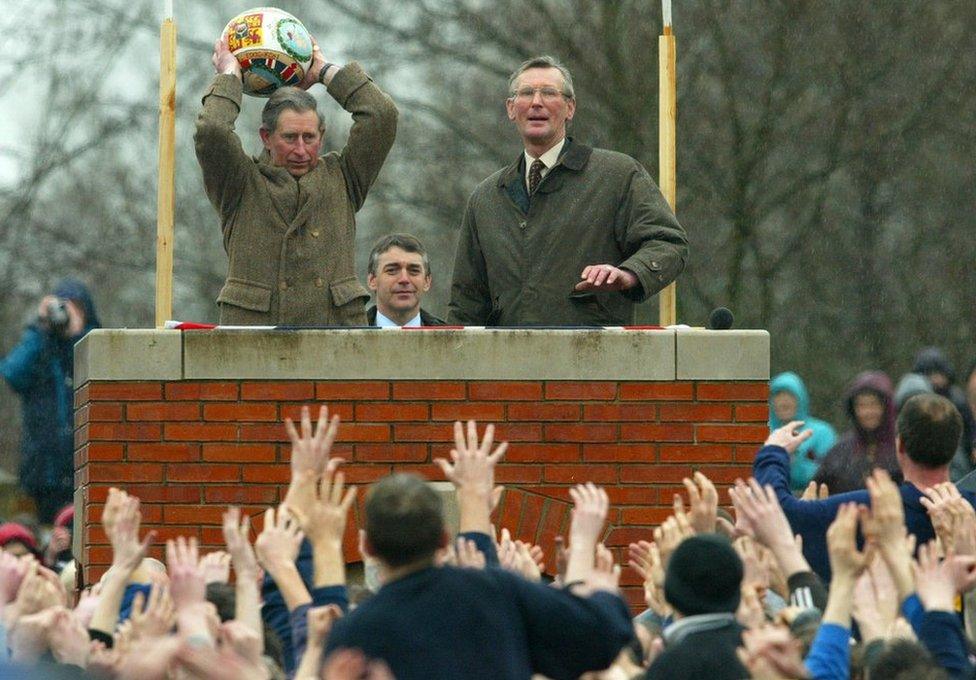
(41, 370)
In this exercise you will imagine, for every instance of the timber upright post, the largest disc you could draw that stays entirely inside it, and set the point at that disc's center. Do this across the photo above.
(667, 115)
(166, 188)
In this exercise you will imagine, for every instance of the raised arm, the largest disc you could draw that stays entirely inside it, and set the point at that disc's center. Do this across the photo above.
(373, 130)
(219, 150)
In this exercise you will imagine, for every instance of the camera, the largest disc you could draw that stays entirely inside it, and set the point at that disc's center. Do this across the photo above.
(57, 316)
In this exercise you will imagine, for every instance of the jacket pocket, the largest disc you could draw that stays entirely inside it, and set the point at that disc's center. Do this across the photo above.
(249, 295)
(349, 301)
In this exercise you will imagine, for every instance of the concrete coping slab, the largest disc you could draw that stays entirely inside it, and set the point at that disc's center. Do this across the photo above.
(449, 354)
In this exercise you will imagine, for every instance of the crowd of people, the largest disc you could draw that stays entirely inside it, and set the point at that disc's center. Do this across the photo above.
(872, 403)
(877, 582)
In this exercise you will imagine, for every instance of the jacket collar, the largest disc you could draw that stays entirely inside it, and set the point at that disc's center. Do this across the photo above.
(573, 157)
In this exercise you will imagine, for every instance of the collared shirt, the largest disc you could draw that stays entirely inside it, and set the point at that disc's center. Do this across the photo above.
(384, 322)
(548, 159)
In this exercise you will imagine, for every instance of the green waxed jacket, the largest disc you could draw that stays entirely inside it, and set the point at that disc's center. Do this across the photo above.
(519, 258)
(291, 242)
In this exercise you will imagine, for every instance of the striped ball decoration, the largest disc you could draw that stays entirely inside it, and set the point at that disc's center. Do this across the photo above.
(272, 46)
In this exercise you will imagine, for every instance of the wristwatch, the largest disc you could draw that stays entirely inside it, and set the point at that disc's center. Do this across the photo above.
(325, 69)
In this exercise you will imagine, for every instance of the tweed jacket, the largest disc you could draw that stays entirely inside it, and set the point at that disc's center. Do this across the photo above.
(291, 242)
(519, 257)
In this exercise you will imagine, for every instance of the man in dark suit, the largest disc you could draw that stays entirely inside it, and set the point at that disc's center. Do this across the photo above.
(399, 275)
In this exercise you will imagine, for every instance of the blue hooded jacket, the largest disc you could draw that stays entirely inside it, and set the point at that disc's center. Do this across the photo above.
(41, 370)
(806, 460)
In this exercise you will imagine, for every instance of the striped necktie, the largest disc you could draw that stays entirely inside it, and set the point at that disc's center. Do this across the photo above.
(535, 175)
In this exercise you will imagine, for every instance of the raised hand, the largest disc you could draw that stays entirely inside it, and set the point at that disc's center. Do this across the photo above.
(590, 508)
(310, 449)
(468, 555)
(70, 643)
(845, 559)
(815, 492)
(605, 575)
(155, 617)
(223, 60)
(237, 538)
(789, 436)
(12, 572)
(472, 471)
(187, 584)
(277, 546)
(216, 567)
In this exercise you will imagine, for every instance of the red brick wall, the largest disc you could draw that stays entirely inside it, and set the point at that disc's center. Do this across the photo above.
(188, 449)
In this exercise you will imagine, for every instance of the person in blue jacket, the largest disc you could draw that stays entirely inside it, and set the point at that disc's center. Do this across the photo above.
(40, 369)
(789, 400)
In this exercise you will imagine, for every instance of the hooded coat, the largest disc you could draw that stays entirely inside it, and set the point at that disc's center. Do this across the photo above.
(933, 360)
(806, 459)
(859, 451)
(40, 369)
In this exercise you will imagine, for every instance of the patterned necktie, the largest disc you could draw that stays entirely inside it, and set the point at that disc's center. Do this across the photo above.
(535, 175)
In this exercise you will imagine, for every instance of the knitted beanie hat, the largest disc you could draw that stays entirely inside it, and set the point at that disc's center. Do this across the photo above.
(704, 576)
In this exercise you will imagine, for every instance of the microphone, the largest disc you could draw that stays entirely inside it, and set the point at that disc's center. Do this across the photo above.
(720, 319)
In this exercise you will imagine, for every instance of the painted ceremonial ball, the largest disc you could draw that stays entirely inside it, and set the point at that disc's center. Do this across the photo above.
(272, 46)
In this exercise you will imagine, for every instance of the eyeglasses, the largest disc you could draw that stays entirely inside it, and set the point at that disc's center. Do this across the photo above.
(527, 94)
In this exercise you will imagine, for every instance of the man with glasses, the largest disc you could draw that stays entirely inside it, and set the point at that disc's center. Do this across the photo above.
(567, 235)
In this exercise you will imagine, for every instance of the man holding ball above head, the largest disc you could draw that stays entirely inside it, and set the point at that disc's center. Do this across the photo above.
(288, 215)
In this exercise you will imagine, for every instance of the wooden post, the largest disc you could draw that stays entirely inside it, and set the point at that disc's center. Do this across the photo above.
(166, 189)
(667, 114)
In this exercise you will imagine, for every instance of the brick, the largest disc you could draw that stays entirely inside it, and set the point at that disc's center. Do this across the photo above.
(241, 412)
(581, 432)
(604, 412)
(98, 555)
(152, 493)
(731, 433)
(580, 474)
(360, 474)
(252, 432)
(266, 390)
(125, 472)
(172, 532)
(428, 390)
(210, 472)
(542, 453)
(727, 475)
(695, 453)
(423, 433)
(201, 391)
(581, 390)
(102, 451)
(200, 432)
(391, 453)
(544, 411)
(294, 411)
(381, 412)
(752, 413)
(162, 410)
(553, 524)
(653, 473)
(104, 412)
(624, 536)
(643, 453)
(523, 474)
(746, 454)
(652, 432)
(163, 452)
(631, 495)
(657, 391)
(194, 514)
(644, 516)
(266, 494)
(510, 511)
(733, 391)
(518, 432)
(81, 437)
(696, 413)
(240, 453)
(82, 395)
(356, 391)
(363, 433)
(125, 391)
(264, 474)
(471, 410)
(125, 432)
(531, 516)
(506, 390)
